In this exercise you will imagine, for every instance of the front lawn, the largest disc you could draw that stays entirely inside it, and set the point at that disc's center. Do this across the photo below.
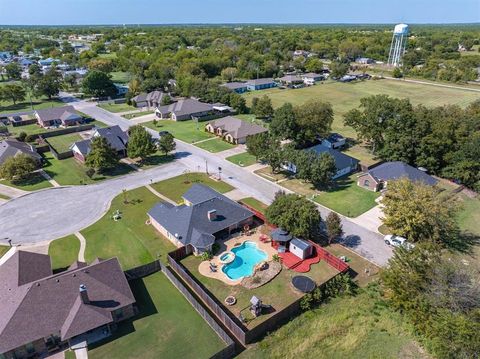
(130, 238)
(215, 145)
(175, 187)
(3, 250)
(117, 107)
(242, 159)
(35, 182)
(129, 116)
(167, 326)
(347, 198)
(64, 251)
(186, 131)
(62, 143)
(255, 204)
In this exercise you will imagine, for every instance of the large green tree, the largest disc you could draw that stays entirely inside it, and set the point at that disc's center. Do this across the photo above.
(50, 84)
(314, 119)
(263, 108)
(98, 84)
(166, 143)
(102, 156)
(13, 71)
(13, 92)
(140, 143)
(284, 123)
(18, 168)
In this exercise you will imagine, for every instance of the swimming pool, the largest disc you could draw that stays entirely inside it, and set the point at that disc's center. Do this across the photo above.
(247, 256)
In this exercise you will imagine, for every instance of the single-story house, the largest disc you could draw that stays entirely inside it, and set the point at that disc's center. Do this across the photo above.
(184, 110)
(55, 116)
(344, 163)
(238, 87)
(116, 137)
(42, 312)
(311, 78)
(377, 178)
(233, 129)
(205, 216)
(334, 140)
(151, 99)
(12, 148)
(291, 80)
(260, 84)
(364, 60)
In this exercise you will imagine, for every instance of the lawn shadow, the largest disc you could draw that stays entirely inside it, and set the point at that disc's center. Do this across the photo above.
(157, 159)
(340, 184)
(120, 170)
(462, 242)
(32, 180)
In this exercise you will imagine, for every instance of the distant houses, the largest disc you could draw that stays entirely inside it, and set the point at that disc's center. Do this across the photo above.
(261, 84)
(56, 116)
(238, 87)
(292, 81)
(233, 130)
(150, 99)
(311, 78)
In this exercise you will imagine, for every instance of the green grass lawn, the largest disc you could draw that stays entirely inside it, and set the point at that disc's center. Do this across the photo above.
(120, 77)
(346, 96)
(2, 196)
(356, 327)
(215, 145)
(34, 183)
(137, 114)
(62, 143)
(348, 198)
(166, 327)
(175, 187)
(255, 204)
(279, 292)
(64, 251)
(242, 159)
(25, 106)
(183, 130)
(70, 172)
(469, 215)
(117, 107)
(109, 55)
(130, 238)
(3, 250)
(34, 129)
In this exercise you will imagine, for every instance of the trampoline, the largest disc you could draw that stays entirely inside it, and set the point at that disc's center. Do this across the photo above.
(303, 284)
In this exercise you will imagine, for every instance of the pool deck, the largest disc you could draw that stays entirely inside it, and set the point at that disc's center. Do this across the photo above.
(227, 245)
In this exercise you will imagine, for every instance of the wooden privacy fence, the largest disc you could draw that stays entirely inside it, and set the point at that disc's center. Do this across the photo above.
(331, 260)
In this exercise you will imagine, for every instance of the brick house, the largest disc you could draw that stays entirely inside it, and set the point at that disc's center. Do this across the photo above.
(56, 116)
(233, 129)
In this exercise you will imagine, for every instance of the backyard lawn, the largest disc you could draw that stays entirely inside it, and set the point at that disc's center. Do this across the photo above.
(35, 182)
(351, 327)
(167, 326)
(120, 77)
(255, 204)
(117, 107)
(34, 129)
(70, 172)
(64, 251)
(175, 187)
(185, 131)
(469, 216)
(62, 143)
(130, 238)
(242, 159)
(215, 145)
(279, 292)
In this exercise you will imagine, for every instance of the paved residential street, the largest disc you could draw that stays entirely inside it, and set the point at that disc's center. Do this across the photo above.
(54, 213)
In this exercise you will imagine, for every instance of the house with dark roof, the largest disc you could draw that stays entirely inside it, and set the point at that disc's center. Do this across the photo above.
(233, 129)
(42, 312)
(345, 164)
(13, 148)
(260, 84)
(204, 217)
(291, 80)
(334, 140)
(238, 87)
(185, 109)
(56, 116)
(116, 137)
(151, 99)
(377, 178)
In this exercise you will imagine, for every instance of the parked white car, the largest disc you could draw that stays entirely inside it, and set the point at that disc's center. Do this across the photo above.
(397, 241)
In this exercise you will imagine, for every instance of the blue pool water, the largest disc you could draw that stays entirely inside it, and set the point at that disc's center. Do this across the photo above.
(247, 256)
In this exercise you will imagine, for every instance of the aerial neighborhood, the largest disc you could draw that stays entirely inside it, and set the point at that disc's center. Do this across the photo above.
(260, 191)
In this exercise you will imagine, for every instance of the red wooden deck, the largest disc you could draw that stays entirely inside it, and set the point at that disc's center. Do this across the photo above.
(292, 262)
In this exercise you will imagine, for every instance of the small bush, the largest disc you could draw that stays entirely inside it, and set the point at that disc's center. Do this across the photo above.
(21, 136)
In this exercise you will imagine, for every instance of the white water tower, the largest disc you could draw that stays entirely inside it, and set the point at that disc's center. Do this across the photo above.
(399, 42)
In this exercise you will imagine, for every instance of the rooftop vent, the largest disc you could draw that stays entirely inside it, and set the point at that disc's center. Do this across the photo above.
(84, 294)
(212, 215)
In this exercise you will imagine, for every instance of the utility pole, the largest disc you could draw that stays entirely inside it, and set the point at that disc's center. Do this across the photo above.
(219, 173)
(206, 166)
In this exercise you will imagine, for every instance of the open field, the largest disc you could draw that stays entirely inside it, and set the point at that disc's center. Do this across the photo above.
(38, 103)
(362, 326)
(117, 107)
(242, 159)
(64, 251)
(279, 292)
(175, 187)
(35, 182)
(215, 145)
(185, 131)
(166, 326)
(130, 238)
(120, 77)
(62, 143)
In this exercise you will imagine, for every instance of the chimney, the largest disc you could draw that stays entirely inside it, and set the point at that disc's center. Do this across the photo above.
(212, 215)
(84, 294)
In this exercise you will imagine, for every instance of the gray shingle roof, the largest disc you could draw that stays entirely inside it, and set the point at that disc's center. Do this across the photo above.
(142, 97)
(39, 307)
(190, 223)
(280, 235)
(341, 159)
(290, 78)
(300, 244)
(185, 107)
(237, 127)
(116, 137)
(397, 169)
(235, 85)
(57, 113)
(12, 148)
(263, 81)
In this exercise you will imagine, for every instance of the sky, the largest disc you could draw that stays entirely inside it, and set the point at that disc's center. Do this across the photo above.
(91, 12)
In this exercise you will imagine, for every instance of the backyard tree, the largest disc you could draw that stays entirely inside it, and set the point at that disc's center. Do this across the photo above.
(229, 73)
(322, 170)
(314, 64)
(18, 168)
(166, 143)
(102, 156)
(238, 102)
(50, 84)
(284, 123)
(334, 226)
(98, 84)
(295, 214)
(12, 92)
(338, 69)
(263, 107)
(417, 212)
(140, 143)
(314, 119)
(13, 71)
(103, 65)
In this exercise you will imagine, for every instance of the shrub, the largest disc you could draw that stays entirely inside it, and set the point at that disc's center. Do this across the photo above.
(21, 136)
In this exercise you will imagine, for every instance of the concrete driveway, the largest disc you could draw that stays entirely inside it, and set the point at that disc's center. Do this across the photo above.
(371, 219)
